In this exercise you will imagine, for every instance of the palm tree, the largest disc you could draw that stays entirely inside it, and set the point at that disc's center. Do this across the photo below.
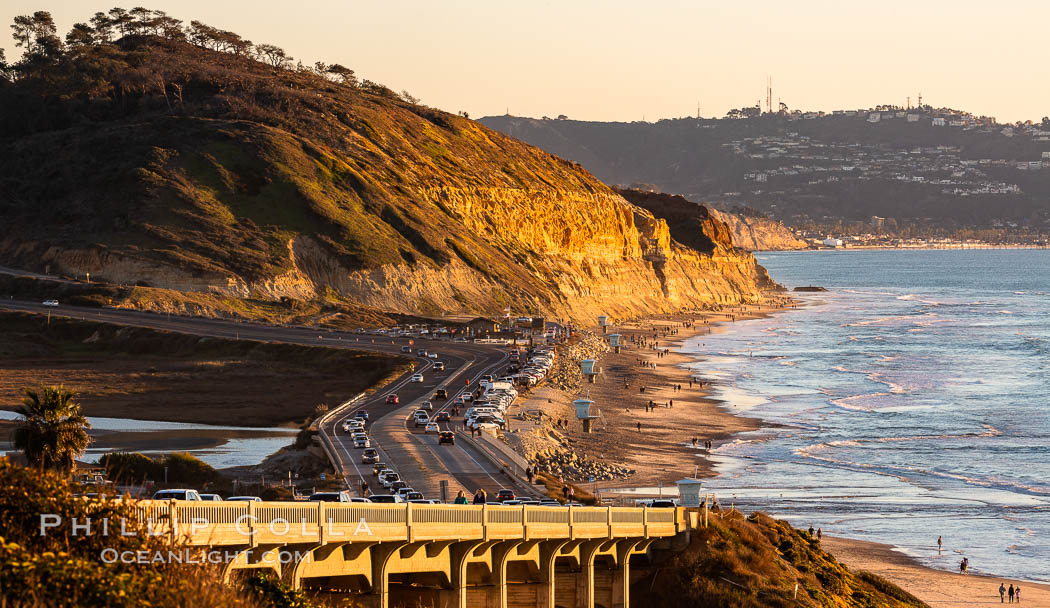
(52, 432)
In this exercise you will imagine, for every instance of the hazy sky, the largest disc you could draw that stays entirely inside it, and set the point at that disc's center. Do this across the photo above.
(625, 60)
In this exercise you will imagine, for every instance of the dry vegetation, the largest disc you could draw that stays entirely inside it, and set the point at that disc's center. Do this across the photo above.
(125, 372)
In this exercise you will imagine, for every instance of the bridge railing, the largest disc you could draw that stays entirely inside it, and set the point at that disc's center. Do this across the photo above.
(253, 523)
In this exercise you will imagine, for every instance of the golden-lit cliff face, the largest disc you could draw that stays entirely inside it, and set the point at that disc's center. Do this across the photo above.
(759, 234)
(281, 185)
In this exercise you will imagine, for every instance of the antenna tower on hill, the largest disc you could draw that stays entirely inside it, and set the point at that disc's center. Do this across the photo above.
(769, 94)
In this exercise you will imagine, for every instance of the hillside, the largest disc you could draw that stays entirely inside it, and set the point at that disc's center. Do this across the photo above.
(759, 562)
(174, 158)
(688, 220)
(921, 167)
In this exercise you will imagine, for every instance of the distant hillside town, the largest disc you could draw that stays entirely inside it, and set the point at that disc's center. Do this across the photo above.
(927, 173)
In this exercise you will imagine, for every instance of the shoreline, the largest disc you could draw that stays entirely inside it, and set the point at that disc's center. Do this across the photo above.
(940, 588)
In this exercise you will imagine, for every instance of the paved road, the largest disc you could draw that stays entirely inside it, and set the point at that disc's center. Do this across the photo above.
(417, 456)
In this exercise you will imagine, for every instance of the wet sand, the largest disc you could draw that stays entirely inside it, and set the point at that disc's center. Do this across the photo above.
(937, 588)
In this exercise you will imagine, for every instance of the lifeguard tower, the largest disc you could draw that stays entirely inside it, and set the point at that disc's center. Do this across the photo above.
(583, 413)
(589, 369)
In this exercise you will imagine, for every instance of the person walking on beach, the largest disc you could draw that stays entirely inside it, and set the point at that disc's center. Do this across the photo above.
(1017, 594)
(1002, 593)
(811, 531)
(639, 427)
(1010, 594)
(695, 439)
(820, 535)
(963, 565)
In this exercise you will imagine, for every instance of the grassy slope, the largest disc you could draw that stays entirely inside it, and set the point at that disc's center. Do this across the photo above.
(755, 563)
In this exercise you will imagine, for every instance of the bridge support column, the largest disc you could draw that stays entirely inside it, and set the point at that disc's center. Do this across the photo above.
(381, 555)
(460, 557)
(622, 577)
(548, 555)
(588, 551)
(500, 556)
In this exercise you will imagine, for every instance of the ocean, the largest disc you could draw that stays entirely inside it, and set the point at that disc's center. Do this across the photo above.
(910, 401)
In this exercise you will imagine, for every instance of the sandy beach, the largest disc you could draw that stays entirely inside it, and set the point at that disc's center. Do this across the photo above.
(655, 442)
(935, 587)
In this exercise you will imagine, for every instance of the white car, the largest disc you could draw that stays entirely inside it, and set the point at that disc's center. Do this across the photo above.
(362, 442)
(432, 427)
(426, 405)
(50, 302)
(432, 355)
(416, 378)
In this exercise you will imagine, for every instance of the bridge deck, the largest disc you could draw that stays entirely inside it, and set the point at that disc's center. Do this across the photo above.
(255, 523)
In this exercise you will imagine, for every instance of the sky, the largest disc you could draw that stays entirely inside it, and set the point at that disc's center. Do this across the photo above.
(617, 60)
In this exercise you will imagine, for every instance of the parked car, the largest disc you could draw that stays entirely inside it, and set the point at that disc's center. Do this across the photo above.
(441, 394)
(179, 494)
(432, 427)
(370, 456)
(447, 437)
(416, 378)
(386, 498)
(245, 498)
(392, 399)
(211, 497)
(504, 495)
(50, 302)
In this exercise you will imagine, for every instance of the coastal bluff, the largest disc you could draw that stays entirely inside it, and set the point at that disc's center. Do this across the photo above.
(279, 185)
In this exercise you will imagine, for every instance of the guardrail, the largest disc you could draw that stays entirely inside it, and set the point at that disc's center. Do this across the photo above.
(326, 442)
(252, 523)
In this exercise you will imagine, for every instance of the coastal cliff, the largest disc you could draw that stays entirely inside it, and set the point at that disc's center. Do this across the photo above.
(759, 233)
(281, 185)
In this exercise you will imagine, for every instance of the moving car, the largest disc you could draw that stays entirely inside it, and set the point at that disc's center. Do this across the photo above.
(416, 378)
(362, 442)
(392, 398)
(211, 497)
(422, 420)
(432, 427)
(439, 367)
(447, 437)
(421, 352)
(370, 456)
(441, 394)
(50, 302)
(427, 405)
(330, 497)
(414, 497)
(361, 415)
(442, 417)
(386, 498)
(406, 349)
(179, 494)
(504, 495)
(245, 498)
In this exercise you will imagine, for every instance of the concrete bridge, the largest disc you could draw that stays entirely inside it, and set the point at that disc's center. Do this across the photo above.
(431, 555)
